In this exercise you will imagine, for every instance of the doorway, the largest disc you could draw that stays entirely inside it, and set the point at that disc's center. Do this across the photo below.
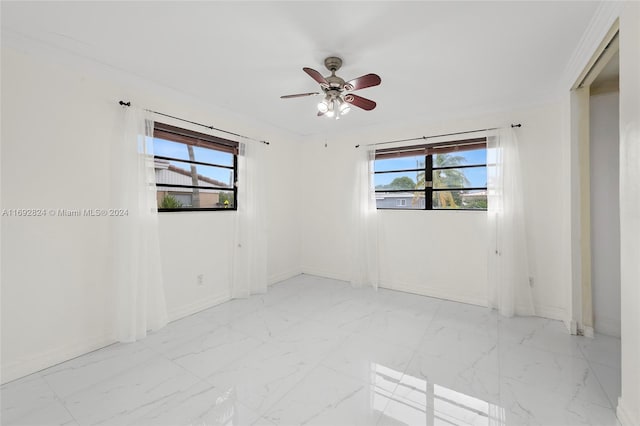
(595, 191)
(595, 209)
(604, 166)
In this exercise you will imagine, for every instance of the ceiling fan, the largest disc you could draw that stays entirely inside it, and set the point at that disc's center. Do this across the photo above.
(338, 98)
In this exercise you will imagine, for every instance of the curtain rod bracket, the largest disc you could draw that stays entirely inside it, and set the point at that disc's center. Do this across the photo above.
(516, 125)
(123, 103)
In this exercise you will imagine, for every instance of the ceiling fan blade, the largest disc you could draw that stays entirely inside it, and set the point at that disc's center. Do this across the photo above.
(316, 76)
(360, 102)
(365, 81)
(299, 95)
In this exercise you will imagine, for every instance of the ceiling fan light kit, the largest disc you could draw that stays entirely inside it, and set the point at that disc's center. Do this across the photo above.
(338, 98)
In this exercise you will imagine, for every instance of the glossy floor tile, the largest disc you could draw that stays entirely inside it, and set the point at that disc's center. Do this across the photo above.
(315, 351)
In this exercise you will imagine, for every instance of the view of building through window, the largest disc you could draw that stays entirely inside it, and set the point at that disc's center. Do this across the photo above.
(193, 171)
(452, 177)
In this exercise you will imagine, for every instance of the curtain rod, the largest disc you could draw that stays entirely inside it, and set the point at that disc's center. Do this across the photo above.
(437, 136)
(128, 104)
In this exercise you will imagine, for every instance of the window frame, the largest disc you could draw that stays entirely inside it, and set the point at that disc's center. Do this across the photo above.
(428, 151)
(190, 137)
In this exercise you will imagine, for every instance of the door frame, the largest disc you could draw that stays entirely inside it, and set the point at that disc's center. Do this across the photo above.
(582, 294)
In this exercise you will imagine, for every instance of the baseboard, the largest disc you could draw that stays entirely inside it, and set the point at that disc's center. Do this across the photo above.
(624, 416)
(324, 274)
(276, 278)
(24, 367)
(588, 332)
(431, 292)
(572, 326)
(200, 305)
(551, 312)
(610, 327)
(18, 369)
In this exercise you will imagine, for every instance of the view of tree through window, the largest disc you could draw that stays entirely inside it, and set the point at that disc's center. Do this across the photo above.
(194, 171)
(450, 176)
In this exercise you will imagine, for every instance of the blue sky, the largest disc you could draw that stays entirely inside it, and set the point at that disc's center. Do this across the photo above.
(476, 176)
(167, 148)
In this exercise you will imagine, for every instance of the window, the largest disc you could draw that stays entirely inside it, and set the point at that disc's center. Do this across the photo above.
(194, 171)
(444, 176)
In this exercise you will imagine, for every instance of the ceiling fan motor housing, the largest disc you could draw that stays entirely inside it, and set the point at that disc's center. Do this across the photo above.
(333, 63)
(335, 82)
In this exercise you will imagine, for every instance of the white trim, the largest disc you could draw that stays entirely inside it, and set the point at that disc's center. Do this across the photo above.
(549, 312)
(21, 368)
(624, 415)
(571, 325)
(324, 274)
(588, 332)
(33, 364)
(608, 326)
(200, 305)
(600, 24)
(438, 293)
(552, 312)
(276, 278)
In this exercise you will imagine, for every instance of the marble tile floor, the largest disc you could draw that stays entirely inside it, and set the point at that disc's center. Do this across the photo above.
(315, 351)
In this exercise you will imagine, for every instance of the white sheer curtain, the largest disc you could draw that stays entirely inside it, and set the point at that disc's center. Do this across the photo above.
(137, 270)
(508, 269)
(249, 275)
(364, 262)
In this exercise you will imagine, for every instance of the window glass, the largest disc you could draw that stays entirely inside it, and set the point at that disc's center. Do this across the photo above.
(399, 163)
(457, 177)
(468, 200)
(400, 200)
(192, 198)
(468, 177)
(462, 158)
(192, 174)
(400, 180)
(184, 173)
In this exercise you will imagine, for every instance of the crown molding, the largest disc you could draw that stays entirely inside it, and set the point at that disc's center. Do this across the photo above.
(601, 23)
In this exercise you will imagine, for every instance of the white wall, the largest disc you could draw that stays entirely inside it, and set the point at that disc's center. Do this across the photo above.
(605, 212)
(442, 256)
(326, 207)
(283, 215)
(199, 244)
(422, 252)
(58, 122)
(56, 297)
(629, 402)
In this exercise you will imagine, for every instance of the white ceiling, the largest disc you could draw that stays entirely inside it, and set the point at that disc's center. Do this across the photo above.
(436, 59)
